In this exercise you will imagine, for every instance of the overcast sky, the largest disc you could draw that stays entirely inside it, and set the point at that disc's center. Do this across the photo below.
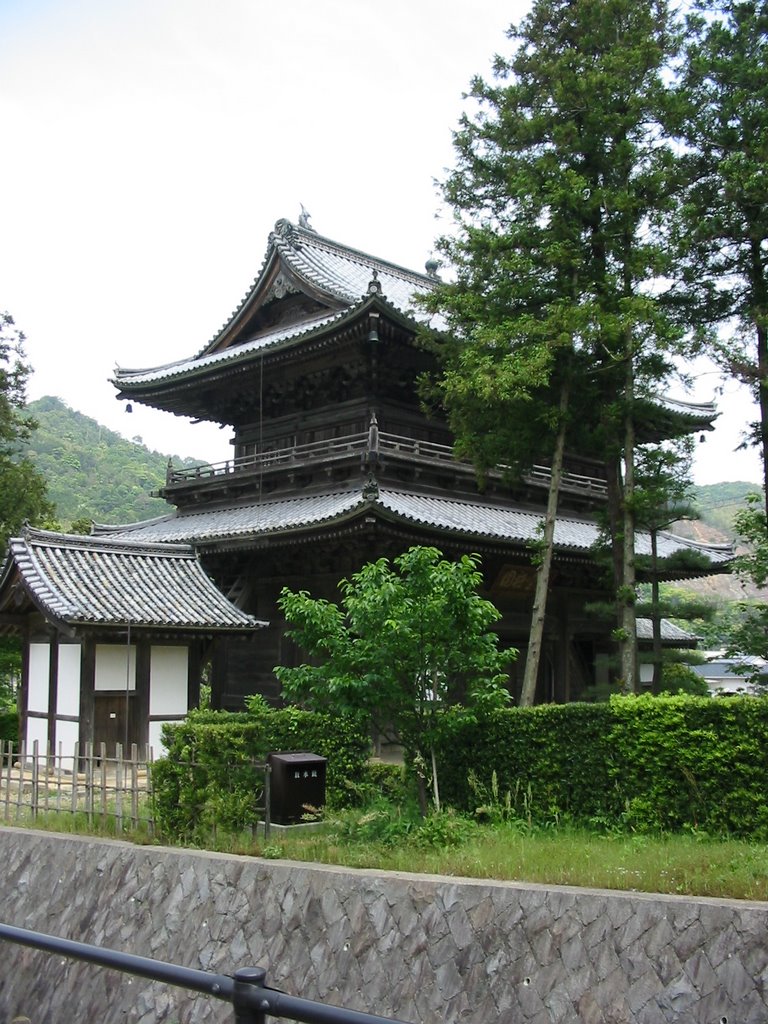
(149, 146)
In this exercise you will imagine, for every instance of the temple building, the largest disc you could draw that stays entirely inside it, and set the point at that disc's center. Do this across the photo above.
(335, 463)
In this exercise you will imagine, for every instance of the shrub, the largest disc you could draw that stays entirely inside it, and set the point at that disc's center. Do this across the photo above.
(9, 725)
(209, 777)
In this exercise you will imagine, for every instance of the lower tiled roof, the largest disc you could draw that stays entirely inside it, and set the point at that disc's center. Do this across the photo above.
(103, 580)
(469, 519)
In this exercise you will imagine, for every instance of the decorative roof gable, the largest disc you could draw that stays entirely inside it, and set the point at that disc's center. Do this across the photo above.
(329, 276)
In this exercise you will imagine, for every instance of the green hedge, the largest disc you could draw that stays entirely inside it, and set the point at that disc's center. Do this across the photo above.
(208, 777)
(649, 763)
(549, 760)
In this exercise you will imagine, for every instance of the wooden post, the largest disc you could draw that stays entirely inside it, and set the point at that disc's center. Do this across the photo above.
(87, 697)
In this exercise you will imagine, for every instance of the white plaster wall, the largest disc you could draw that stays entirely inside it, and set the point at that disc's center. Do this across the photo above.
(67, 734)
(68, 694)
(168, 689)
(39, 667)
(155, 742)
(111, 667)
(168, 675)
(37, 729)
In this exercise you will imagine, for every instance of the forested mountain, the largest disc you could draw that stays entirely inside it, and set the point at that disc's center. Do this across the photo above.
(92, 472)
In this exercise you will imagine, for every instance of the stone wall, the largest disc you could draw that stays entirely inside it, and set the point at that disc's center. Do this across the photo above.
(423, 949)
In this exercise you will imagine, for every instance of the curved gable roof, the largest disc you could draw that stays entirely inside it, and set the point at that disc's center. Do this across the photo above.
(103, 581)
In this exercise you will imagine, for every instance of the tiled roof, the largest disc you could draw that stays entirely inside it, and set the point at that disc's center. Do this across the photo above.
(253, 519)
(344, 272)
(102, 580)
(670, 633)
(340, 272)
(235, 354)
(477, 519)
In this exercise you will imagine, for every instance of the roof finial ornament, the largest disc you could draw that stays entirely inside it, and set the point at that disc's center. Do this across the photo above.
(432, 266)
(371, 488)
(304, 219)
(374, 285)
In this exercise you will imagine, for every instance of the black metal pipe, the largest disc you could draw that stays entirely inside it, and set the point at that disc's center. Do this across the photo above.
(218, 985)
(246, 990)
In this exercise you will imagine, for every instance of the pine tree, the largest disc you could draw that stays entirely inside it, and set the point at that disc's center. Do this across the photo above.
(723, 120)
(560, 194)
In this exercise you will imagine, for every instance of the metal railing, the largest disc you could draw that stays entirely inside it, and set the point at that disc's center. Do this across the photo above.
(351, 443)
(246, 989)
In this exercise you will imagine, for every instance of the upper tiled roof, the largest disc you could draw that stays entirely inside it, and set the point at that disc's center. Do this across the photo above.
(469, 519)
(341, 271)
(227, 356)
(103, 581)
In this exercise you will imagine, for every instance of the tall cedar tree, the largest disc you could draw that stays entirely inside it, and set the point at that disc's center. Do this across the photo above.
(562, 186)
(22, 488)
(723, 110)
(662, 497)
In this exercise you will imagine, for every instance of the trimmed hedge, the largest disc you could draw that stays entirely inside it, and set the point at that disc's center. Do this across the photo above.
(208, 779)
(648, 763)
(645, 763)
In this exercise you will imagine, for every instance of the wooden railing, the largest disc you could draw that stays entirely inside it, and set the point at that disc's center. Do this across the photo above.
(339, 447)
(35, 781)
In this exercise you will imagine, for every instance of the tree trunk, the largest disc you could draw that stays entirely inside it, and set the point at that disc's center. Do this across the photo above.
(538, 614)
(628, 623)
(655, 612)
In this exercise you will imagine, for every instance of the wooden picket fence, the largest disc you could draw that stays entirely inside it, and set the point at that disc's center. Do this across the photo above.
(35, 782)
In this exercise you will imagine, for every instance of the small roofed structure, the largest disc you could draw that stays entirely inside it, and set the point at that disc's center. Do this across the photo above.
(115, 634)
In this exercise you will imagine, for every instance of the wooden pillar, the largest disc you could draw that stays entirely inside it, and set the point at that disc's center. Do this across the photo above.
(87, 691)
(194, 669)
(53, 689)
(139, 728)
(24, 694)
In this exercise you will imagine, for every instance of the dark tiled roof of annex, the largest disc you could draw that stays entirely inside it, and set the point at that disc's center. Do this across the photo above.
(104, 580)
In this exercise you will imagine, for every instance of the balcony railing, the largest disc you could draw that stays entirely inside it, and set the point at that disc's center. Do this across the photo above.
(340, 447)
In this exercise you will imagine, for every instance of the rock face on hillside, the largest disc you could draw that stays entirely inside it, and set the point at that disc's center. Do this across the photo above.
(724, 586)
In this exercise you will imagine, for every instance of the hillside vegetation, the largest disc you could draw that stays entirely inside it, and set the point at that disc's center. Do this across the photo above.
(92, 472)
(717, 504)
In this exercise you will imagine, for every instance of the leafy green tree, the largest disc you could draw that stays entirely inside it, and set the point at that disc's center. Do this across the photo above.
(723, 119)
(407, 641)
(560, 197)
(22, 489)
(749, 635)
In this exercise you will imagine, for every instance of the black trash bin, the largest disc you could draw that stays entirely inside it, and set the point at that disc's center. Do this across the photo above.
(297, 781)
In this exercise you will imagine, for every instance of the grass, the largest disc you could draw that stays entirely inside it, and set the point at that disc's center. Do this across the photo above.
(679, 864)
(384, 838)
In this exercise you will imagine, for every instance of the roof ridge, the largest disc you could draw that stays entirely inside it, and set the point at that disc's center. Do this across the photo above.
(323, 241)
(93, 542)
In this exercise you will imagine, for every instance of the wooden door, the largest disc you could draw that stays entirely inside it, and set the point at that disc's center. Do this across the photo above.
(109, 723)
